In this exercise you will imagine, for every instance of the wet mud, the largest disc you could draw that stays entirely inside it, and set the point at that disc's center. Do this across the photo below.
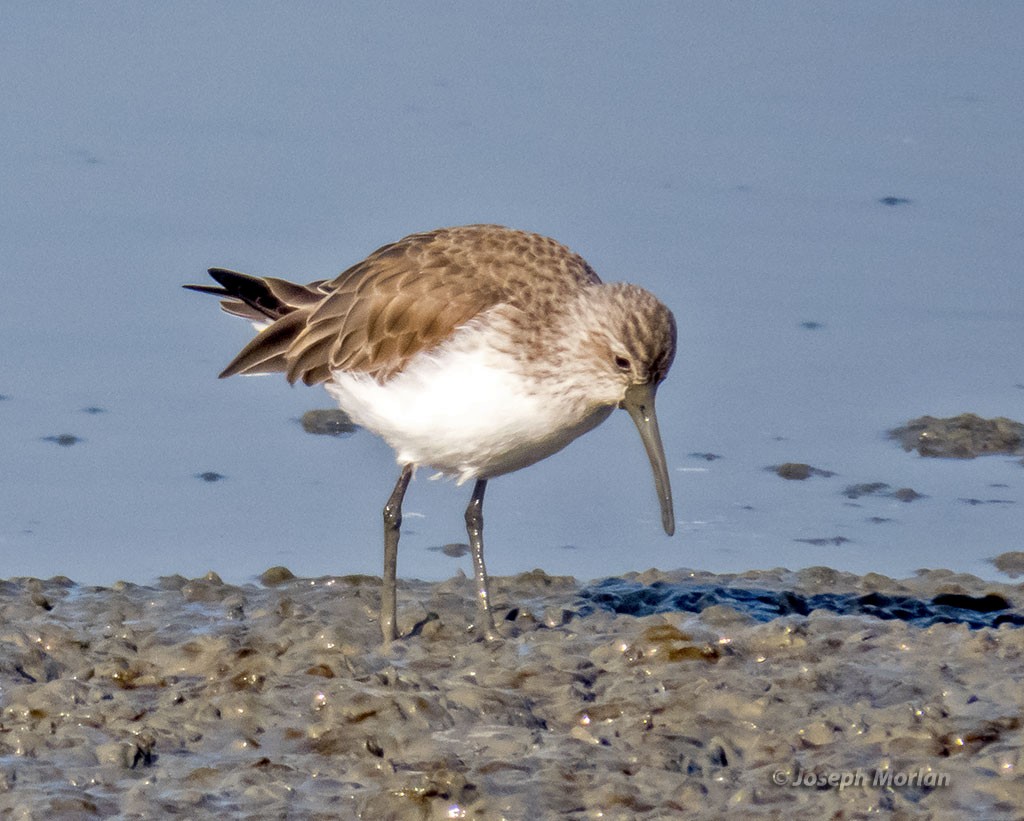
(961, 437)
(657, 695)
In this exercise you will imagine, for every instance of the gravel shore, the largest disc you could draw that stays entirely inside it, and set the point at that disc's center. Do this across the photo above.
(204, 699)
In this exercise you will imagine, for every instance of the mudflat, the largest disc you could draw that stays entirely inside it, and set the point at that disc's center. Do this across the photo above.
(204, 699)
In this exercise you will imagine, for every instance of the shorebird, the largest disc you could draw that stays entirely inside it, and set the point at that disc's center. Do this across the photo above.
(475, 351)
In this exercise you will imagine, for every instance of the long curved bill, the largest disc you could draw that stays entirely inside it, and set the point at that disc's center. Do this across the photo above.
(639, 401)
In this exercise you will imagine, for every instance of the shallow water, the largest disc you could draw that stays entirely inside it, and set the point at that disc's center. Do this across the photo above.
(828, 203)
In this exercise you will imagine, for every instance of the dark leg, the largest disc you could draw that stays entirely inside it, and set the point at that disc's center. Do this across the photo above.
(475, 529)
(392, 526)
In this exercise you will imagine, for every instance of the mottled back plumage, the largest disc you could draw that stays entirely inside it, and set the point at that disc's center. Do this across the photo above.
(404, 298)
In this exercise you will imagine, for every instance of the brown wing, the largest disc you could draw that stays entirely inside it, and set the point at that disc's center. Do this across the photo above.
(404, 298)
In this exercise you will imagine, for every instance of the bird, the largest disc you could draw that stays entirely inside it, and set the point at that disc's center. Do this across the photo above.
(474, 350)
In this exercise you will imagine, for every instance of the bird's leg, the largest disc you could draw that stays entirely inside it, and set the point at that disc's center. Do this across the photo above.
(475, 529)
(392, 526)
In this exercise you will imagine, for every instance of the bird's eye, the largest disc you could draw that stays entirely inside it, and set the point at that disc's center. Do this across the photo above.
(622, 363)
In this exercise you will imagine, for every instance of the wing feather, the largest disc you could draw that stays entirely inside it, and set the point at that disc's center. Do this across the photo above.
(404, 298)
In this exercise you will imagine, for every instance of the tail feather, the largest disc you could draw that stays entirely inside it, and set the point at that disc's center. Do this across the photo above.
(208, 289)
(259, 298)
(285, 305)
(267, 351)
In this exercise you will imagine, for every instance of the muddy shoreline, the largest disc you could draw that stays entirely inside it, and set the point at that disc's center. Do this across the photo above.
(206, 699)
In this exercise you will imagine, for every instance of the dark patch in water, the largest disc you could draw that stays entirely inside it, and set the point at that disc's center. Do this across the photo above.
(65, 440)
(824, 541)
(961, 437)
(328, 422)
(798, 471)
(903, 494)
(92, 410)
(864, 489)
(211, 476)
(631, 598)
(891, 201)
(455, 549)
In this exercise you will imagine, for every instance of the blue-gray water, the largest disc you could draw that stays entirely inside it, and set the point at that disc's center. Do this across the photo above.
(736, 159)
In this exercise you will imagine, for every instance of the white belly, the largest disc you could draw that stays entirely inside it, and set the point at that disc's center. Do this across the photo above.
(466, 411)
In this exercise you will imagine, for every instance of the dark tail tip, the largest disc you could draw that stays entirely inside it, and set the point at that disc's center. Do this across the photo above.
(253, 291)
(207, 289)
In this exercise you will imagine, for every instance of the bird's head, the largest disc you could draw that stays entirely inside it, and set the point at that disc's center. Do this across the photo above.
(631, 337)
